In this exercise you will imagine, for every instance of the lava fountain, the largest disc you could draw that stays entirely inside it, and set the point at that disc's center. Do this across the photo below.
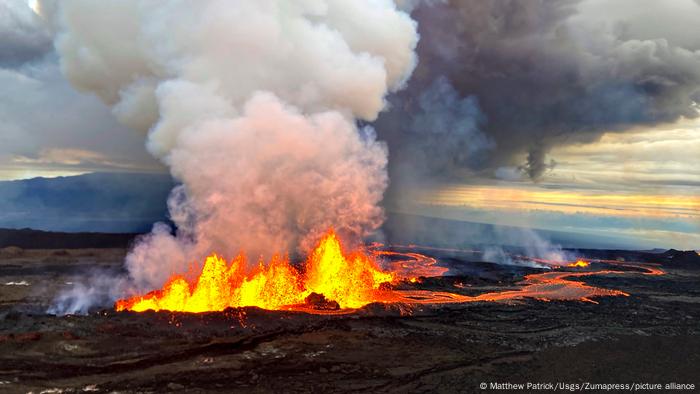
(352, 280)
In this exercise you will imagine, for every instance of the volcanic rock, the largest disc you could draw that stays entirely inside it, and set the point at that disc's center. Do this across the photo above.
(319, 302)
(11, 251)
(381, 347)
(682, 258)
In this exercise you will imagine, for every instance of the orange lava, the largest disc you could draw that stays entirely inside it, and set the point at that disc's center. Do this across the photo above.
(555, 286)
(579, 264)
(410, 265)
(352, 280)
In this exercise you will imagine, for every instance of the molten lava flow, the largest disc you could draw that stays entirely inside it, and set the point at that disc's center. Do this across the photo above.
(351, 280)
(335, 282)
(409, 265)
(579, 264)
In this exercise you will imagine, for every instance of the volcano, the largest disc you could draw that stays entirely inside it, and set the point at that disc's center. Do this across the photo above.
(411, 316)
(353, 196)
(350, 280)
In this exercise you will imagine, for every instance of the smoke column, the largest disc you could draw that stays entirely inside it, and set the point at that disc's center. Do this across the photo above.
(253, 107)
(544, 74)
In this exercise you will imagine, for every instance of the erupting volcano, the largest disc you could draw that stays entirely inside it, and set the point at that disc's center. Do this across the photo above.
(333, 280)
(348, 196)
(350, 279)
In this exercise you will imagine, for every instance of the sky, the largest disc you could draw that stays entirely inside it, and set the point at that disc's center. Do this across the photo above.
(49, 128)
(577, 116)
(641, 187)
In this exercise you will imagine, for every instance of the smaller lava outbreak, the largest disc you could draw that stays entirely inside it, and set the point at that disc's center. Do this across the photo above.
(579, 264)
(344, 281)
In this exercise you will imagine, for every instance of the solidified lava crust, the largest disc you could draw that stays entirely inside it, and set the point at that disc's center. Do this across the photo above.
(377, 348)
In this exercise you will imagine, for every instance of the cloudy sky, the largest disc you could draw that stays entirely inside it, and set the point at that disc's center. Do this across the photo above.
(566, 115)
(48, 128)
(576, 116)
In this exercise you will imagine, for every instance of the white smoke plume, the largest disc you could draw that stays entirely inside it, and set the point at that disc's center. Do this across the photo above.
(532, 244)
(253, 106)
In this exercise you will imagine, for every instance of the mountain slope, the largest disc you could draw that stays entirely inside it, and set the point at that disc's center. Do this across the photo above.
(100, 202)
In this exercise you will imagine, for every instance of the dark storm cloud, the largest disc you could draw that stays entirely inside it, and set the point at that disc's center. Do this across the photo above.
(543, 74)
(23, 38)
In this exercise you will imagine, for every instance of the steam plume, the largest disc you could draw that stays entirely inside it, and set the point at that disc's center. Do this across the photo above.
(252, 105)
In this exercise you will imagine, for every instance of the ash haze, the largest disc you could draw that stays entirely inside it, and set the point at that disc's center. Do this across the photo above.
(563, 115)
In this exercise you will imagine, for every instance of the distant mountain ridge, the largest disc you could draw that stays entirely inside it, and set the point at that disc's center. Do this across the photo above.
(36, 239)
(97, 202)
(407, 228)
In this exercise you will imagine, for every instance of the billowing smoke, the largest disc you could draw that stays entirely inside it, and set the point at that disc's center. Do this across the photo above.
(253, 106)
(435, 133)
(545, 73)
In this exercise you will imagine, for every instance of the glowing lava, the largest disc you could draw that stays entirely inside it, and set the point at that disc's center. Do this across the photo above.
(579, 264)
(335, 282)
(352, 280)
(409, 265)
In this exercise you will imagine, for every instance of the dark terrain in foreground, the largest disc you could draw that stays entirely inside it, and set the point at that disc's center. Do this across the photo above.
(652, 336)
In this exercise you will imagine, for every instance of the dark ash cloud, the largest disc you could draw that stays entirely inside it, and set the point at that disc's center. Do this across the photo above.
(544, 74)
(434, 132)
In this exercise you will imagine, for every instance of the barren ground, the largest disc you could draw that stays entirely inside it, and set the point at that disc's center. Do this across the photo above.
(652, 336)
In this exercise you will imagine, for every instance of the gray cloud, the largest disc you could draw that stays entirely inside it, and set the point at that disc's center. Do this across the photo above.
(23, 37)
(46, 127)
(499, 83)
(547, 73)
(441, 135)
(535, 163)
